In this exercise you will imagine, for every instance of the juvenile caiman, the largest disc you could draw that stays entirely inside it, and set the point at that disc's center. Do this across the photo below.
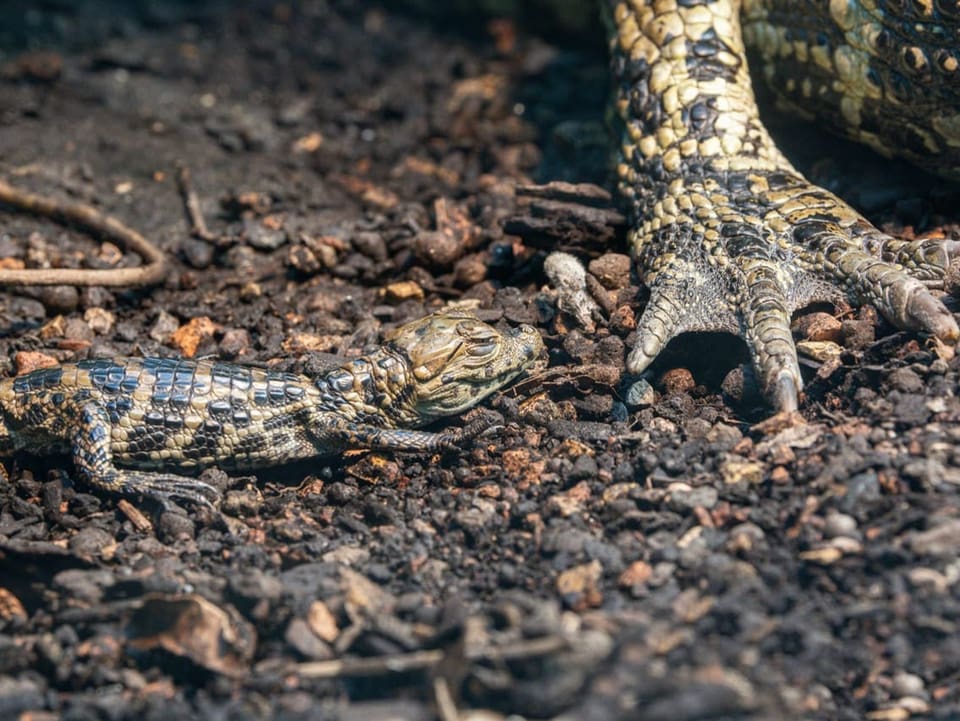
(133, 425)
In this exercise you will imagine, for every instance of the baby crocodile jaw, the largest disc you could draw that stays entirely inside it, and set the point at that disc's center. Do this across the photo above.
(457, 360)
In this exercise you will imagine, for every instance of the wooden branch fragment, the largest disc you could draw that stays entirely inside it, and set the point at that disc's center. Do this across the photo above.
(422, 660)
(135, 516)
(198, 226)
(93, 221)
(564, 216)
(444, 701)
(580, 193)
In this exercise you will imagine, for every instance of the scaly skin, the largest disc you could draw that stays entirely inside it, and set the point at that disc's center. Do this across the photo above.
(884, 74)
(124, 421)
(728, 236)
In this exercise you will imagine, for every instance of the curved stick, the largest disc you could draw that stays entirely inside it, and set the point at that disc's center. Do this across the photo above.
(92, 220)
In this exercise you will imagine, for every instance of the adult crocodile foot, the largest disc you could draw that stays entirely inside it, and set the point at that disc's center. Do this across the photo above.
(727, 235)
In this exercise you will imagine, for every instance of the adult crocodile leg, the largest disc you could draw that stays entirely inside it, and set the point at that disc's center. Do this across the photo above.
(728, 236)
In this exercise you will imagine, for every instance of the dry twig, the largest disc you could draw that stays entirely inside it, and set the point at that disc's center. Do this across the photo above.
(135, 516)
(93, 221)
(445, 703)
(198, 226)
(420, 660)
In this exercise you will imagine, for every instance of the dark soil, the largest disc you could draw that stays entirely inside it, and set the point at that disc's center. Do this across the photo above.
(619, 548)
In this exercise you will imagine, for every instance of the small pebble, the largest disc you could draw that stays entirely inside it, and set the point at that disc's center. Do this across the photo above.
(733, 385)
(845, 545)
(579, 347)
(437, 249)
(612, 270)
(401, 291)
(60, 298)
(610, 351)
(685, 499)
(623, 319)
(636, 573)
(697, 427)
(724, 435)
(189, 337)
(198, 253)
(906, 380)
(819, 350)
(96, 296)
(840, 524)
(738, 470)
(782, 454)
(584, 467)
(175, 527)
(677, 380)
(578, 586)
(26, 309)
(99, 320)
(662, 426)
(907, 684)
(163, 327)
(250, 291)
(77, 329)
(341, 493)
(27, 361)
(819, 327)
(469, 270)
(929, 579)
(261, 237)
(857, 334)
(322, 622)
(913, 706)
(941, 540)
(300, 637)
(234, 342)
(88, 543)
(304, 260)
(779, 475)
(371, 245)
(744, 537)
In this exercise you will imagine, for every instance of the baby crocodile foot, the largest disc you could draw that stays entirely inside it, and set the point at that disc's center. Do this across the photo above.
(164, 488)
(728, 236)
(93, 460)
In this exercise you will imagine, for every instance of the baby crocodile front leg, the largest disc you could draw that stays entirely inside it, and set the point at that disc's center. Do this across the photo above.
(728, 236)
(133, 425)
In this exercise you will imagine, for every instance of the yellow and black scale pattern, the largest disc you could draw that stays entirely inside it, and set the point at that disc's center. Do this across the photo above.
(728, 236)
(124, 421)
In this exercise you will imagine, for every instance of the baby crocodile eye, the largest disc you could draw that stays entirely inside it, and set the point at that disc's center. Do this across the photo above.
(483, 349)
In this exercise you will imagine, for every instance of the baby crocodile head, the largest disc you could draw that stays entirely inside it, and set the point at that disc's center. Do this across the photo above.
(457, 360)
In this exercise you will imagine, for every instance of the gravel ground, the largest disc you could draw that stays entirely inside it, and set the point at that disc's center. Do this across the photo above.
(621, 548)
